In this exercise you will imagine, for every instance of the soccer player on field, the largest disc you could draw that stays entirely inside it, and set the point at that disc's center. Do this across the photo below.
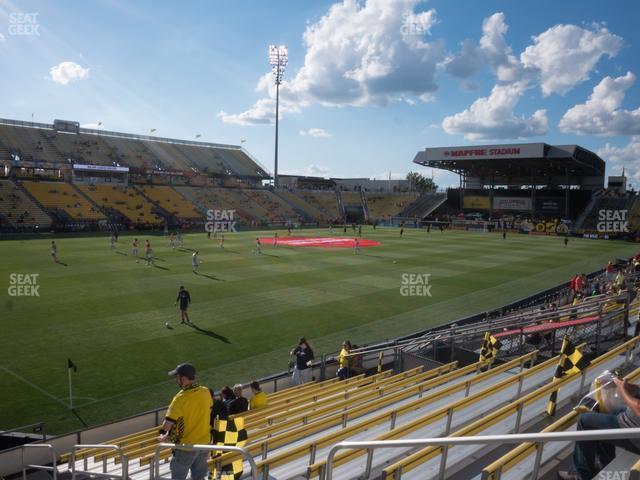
(112, 241)
(221, 243)
(258, 251)
(172, 240)
(134, 249)
(288, 230)
(194, 262)
(185, 299)
(54, 251)
(179, 238)
(356, 246)
(148, 252)
(275, 239)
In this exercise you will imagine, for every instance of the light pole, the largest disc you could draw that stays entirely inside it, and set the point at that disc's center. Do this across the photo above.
(278, 56)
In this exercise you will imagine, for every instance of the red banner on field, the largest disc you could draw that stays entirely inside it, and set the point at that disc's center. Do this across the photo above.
(327, 242)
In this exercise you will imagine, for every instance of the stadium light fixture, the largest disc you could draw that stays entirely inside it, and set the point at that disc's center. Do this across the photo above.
(278, 58)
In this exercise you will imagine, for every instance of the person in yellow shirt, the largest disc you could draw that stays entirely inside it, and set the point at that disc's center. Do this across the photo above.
(187, 422)
(259, 399)
(343, 360)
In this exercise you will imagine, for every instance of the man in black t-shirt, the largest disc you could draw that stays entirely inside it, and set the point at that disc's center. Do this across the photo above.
(185, 299)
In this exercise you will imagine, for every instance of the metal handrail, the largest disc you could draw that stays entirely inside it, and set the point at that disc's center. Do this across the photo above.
(193, 448)
(124, 461)
(53, 468)
(528, 319)
(608, 434)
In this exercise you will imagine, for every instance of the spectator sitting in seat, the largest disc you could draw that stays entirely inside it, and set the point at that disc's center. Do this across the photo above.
(239, 404)
(227, 396)
(589, 457)
(259, 399)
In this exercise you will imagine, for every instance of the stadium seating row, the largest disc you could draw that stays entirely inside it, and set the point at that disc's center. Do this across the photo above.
(18, 210)
(63, 196)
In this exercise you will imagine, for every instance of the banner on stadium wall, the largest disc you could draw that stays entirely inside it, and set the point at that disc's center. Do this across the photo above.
(476, 202)
(511, 203)
(549, 206)
(552, 227)
(483, 152)
(100, 168)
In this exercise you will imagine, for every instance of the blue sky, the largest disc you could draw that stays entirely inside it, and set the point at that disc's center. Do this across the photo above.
(368, 83)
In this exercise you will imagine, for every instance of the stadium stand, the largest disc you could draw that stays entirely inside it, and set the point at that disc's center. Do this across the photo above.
(82, 148)
(29, 144)
(384, 206)
(634, 216)
(215, 198)
(424, 205)
(127, 201)
(604, 201)
(311, 211)
(18, 210)
(325, 201)
(61, 196)
(171, 201)
(277, 210)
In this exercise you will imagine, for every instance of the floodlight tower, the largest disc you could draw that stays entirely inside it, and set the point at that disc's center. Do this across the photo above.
(278, 57)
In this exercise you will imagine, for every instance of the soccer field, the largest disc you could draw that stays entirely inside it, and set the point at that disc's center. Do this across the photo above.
(107, 313)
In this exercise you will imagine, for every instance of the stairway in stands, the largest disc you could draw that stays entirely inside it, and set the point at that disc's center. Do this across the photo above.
(424, 205)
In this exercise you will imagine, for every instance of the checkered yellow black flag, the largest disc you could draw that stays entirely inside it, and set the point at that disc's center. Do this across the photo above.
(490, 348)
(230, 433)
(571, 361)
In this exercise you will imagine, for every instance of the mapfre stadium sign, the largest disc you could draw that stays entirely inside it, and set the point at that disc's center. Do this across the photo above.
(535, 150)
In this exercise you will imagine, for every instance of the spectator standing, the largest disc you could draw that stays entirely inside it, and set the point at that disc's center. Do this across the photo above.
(343, 360)
(187, 421)
(303, 354)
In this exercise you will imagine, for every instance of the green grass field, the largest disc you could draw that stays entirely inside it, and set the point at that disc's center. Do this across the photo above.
(107, 312)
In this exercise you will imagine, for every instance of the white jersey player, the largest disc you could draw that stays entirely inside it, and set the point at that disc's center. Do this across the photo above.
(195, 262)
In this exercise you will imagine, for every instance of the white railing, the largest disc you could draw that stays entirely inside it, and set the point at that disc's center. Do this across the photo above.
(124, 461)
(538, 438)
(155, 468)
(49, 468)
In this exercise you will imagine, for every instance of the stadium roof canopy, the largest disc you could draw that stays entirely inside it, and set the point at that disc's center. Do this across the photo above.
(513, 164)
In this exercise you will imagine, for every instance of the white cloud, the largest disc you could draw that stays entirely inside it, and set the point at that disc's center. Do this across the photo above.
(627, 157)
(564, 55)
(2, 37)
(263, 112)
(67, 72)
(601, 114)
(492, 117)
(491, 50)
(316, 171)
(311, 170)
(559, 59)
(316, 132)
(358, 54)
